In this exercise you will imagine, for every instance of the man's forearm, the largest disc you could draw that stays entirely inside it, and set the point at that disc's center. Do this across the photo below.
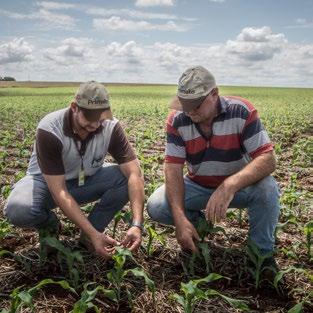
(136, 196)
(257, 169)
(175, 190)
(72, 210)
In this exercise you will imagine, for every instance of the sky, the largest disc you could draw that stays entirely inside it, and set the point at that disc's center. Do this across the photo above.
(242, 42)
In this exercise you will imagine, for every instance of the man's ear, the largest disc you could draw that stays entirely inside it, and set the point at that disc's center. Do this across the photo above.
(215, 91)
(74, 107)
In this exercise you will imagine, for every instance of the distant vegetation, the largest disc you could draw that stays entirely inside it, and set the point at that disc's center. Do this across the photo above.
(7, 79)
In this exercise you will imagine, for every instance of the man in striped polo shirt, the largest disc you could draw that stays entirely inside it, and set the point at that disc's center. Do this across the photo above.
(229, 159)
(67, 169)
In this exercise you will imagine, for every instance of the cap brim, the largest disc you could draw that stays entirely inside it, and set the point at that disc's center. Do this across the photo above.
(185, 105)
(98, 114)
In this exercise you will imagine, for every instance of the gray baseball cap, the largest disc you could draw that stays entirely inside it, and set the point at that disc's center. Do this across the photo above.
(93, 98)
(193, 87)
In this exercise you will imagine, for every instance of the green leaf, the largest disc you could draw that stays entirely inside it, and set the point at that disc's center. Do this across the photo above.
(297, 308)
(138, 272)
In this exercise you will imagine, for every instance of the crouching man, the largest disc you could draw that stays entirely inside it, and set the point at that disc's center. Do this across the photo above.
(67, 169)
(229, 159)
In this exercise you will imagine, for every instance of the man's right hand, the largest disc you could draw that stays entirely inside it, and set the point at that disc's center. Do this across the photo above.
(187, 235)
(104, 245)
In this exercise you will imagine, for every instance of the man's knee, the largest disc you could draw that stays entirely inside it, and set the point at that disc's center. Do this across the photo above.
(22, 215)
(158, 208)
(266, 190)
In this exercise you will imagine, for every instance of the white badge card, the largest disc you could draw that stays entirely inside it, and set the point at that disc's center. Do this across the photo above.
(81, 177)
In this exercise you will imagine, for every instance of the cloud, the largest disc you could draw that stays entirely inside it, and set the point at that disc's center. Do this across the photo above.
(129, 52)
(46, 17)
(16, 51)
(257, 56)
(151, 3)
(256, 44)
(50, 5)
(71, 50)
(116, 23)
(301, 23)
(218, 1)
(130, 13)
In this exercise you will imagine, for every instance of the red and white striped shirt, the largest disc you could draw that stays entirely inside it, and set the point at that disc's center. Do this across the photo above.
(237, 137)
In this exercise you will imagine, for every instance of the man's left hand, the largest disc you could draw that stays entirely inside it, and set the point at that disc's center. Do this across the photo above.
(132, 239)
(218, 203)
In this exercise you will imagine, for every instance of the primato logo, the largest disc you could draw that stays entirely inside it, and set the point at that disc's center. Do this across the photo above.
(96, 101)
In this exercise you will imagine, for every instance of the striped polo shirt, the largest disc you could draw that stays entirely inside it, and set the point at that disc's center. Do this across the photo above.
(238, 136)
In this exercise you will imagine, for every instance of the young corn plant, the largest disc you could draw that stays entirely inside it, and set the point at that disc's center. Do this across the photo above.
(24, 298)
(5, 228)
(192, 293)
(308, 231)
(204, 228)
(88, 295)
(280, 275)
(153, 235)
(126, 216)
(258, 262)
(117, 274)
(66, 254)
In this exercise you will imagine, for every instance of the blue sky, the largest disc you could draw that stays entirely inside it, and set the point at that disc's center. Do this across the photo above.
(243, 42)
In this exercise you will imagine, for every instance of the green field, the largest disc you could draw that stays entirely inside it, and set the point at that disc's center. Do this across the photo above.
(287, 114)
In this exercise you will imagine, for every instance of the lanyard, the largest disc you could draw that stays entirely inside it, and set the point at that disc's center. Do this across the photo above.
(81, 151)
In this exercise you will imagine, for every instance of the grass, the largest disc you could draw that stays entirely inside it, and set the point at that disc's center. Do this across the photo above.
(286, 113)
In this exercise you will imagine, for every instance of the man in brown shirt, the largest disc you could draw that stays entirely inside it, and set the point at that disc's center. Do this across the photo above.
(67, 168)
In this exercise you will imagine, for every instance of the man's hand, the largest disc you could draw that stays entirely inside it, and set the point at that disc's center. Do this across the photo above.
(218, 203)
(132, 239)
(187, 235)
(103, 245)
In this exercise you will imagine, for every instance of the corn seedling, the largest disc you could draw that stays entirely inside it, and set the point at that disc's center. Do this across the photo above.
(192, 293)
(67, 255)
(126, 216)
(258, 261)
(204, 228)
(308, 231)
(5, 228)
(18, 258)
(280, 275)
(21, 298)
(153, 235)
(117, 274)
(88, 295)
(298, 308)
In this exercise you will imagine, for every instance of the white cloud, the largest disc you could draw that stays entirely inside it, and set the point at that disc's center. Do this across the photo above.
(16, 51)
(151, 3)
(218, 1)
(50, 5)
(257, 57)
(116, 23)
(302, 23)
(70, 50)
(256, 44)
(46, 17)
(130, 13)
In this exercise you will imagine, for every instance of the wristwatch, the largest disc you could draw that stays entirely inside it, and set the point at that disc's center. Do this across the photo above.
(137, 224)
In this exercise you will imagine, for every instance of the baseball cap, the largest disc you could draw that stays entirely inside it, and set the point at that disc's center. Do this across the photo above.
(193, 86)
(93, 98)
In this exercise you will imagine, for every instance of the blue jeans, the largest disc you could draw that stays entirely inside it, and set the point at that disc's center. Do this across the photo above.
(30, 203)
(261, 199)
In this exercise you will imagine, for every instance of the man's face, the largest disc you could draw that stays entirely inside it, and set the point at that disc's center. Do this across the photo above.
(84, 123)
(87, 125)
(206, 110)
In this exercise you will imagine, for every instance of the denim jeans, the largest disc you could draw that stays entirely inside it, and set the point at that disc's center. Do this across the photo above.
(261, 199)
(30, 203)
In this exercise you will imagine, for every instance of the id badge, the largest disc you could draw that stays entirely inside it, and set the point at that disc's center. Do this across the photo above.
(81, 177)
